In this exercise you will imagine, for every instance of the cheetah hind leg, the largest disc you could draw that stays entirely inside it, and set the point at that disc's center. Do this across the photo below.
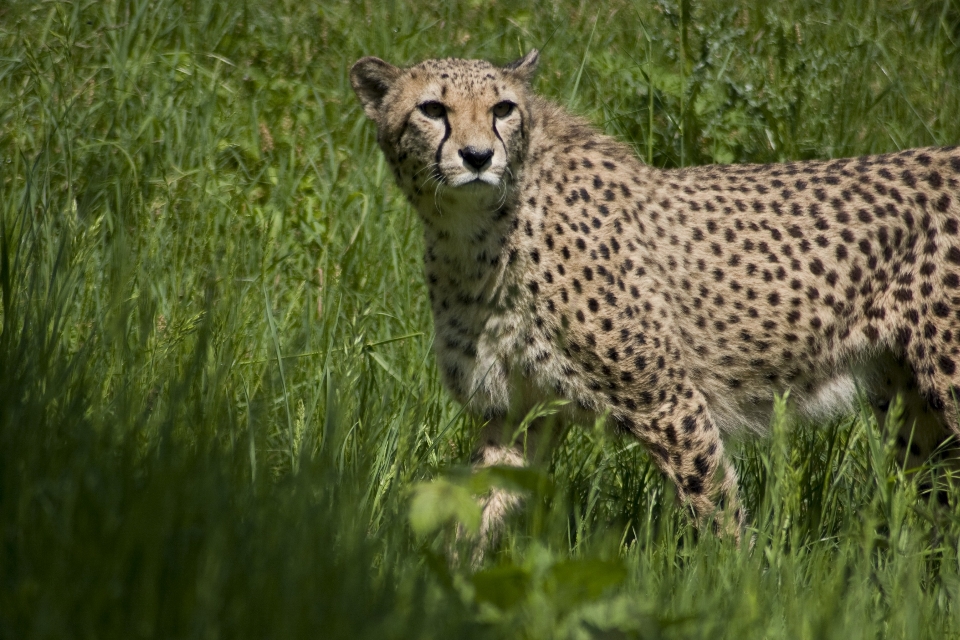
(686, 445)
(921, 432)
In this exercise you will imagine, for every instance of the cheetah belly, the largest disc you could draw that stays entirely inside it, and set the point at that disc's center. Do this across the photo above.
(831, 398)
(827, 398)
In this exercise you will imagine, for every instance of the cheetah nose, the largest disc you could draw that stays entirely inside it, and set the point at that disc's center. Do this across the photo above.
(475, 158)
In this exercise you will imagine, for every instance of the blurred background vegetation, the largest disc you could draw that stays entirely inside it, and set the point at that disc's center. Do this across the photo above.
(219, 412)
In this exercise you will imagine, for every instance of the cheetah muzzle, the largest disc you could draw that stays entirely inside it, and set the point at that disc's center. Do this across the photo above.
(675, 302)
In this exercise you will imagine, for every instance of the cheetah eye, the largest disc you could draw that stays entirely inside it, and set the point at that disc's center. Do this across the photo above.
(433, 109)
(503, 109)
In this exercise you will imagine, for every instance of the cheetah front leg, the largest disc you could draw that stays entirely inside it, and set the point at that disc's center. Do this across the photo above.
(499, 445)
(685, 442)
(920, 430)
(495, 450)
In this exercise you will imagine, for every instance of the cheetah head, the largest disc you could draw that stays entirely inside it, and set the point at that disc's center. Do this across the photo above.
(454, 131)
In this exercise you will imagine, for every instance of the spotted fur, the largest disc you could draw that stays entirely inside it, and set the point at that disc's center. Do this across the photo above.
(676, 302)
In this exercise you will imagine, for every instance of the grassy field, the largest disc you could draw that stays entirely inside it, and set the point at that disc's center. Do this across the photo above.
(219, 412)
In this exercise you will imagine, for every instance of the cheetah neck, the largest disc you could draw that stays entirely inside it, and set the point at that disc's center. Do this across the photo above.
(472, 257)
(468, 229)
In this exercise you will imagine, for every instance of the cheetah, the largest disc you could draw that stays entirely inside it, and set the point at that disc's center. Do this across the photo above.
(674, 303)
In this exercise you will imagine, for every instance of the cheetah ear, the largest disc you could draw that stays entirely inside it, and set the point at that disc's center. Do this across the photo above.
(525, 67)
(371, 79)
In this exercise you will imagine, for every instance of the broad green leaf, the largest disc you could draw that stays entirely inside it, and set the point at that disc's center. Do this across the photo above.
(505, 586)
(439, 502)
(575, 582)
(521, 479)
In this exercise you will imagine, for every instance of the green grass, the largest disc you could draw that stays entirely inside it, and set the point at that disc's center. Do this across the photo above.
(217, 395)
